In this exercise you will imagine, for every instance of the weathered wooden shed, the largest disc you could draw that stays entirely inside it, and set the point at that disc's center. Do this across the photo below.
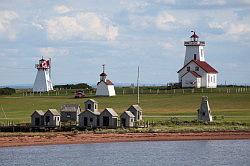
(91, 105)
(89, 118)
(37, 118)
(127, 119)
(52, 118)
(108, 118)
(136, 110)
(69, 113)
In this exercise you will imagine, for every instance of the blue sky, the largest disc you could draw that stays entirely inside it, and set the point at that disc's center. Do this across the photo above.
(80, 36)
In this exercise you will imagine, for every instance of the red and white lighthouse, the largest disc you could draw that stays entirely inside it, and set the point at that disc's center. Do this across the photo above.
(43, 81)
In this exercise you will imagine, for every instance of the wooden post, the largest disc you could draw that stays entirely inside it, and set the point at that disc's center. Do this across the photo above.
(183, 91)
(174, 91)
(157, 91)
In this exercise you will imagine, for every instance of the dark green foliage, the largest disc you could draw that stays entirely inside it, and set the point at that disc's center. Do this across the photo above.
(7, 91)
(73, 86)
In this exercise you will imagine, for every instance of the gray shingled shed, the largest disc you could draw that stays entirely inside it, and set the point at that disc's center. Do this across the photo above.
(136, 110)
(52, 118)
(89, 118)
(70, 112)
(108, 118)
(91, 105)
(204, 113)
(37, 118)
(127, 119)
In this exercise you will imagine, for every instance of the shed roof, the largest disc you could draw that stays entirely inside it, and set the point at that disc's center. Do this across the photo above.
(136, 106)
(54, 112)
(111, 111)
(92, 100)
(129, 114)
(40, 112)
(70, 107)
(93, 112)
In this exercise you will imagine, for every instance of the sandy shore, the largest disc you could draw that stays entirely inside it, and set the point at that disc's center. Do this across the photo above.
(83, 138)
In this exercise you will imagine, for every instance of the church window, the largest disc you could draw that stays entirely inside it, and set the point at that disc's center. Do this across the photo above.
(194, 56)
(188, 68)
(196, 68)
(201, 52)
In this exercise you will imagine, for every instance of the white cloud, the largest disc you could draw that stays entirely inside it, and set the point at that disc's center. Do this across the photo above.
(168, 45)
(61, 9)
(167, 2)
(134, 6)
(6, 24)
(88, 26)
(165, 21)
(212, 2)
(53, 52)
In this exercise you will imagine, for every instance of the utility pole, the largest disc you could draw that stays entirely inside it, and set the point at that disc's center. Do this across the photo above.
(138, 89)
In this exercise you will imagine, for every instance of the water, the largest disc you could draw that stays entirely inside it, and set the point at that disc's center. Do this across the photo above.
(224, 152)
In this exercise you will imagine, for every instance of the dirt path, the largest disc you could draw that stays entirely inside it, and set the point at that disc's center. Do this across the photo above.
(70, 138)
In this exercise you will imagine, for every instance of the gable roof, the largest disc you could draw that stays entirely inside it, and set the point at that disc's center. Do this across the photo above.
(39, 112)
(136, 107)
(111, 111)
(193, 73)
(204, 65)
(93, 112)
(129, 114)
(92, 100)
(70, 107)
(107, 82)
(54, 112)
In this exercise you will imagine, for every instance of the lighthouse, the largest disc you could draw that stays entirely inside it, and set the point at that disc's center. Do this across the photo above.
(43, 81)
(196, 72)
(105, 87)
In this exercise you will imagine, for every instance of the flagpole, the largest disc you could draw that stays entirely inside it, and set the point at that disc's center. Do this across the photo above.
(138, 89)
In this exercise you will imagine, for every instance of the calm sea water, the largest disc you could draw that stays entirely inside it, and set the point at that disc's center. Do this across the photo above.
(236, 152)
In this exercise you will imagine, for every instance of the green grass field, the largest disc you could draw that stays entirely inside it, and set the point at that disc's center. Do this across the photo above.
(225, 106)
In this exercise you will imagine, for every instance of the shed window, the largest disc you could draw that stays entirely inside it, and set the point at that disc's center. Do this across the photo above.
(89, 106)
(91, 119)
(68, 115)
(203, 114)
(188, 68)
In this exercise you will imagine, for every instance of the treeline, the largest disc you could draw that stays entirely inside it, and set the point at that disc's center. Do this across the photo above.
(73, 86)
(7, 91)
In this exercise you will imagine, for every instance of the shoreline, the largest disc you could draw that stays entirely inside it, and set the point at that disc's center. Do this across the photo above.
(27, 139)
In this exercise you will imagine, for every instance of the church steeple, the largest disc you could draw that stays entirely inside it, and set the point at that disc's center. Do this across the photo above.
(103, 75)
(194, 49)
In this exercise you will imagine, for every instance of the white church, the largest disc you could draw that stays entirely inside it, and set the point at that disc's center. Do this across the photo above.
(105, 87)
(43, 81)
(196, 72)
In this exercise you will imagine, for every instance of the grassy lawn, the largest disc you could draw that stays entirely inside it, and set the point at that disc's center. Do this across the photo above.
(232, 107)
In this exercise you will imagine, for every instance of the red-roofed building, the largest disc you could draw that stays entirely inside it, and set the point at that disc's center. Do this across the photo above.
(196, 72)
(105, 87)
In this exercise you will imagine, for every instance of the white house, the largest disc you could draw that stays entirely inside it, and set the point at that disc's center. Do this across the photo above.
(105, 87)
(196, 72)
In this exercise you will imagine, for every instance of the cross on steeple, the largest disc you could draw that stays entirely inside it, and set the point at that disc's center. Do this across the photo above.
(103, 68)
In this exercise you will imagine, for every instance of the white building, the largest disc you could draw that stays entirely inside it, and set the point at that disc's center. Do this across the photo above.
(196, 72)
(43, 81)
(105, 87)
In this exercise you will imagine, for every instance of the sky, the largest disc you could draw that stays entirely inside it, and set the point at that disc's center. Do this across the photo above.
(81, 35)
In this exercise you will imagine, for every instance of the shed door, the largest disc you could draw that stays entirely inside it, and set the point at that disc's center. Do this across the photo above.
(85, 121)
(37, 121)
(123, 122)
(105, 121)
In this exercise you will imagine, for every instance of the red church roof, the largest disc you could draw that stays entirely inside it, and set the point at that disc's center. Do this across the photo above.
(108, 82)
(202, 64)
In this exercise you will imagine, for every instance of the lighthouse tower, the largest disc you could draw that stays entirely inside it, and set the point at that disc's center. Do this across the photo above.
(194, 49)
(43, 81)
(196, 72)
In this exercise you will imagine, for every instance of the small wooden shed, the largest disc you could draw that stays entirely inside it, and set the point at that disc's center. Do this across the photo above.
(136, 110)
(70, 112)
(108, 118)
(89, 118)
(127, 119)
(37, 118)
(91, 105)
(52, 118)
(204, 113)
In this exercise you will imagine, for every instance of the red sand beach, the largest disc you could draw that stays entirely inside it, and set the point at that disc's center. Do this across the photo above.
(26, 139)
